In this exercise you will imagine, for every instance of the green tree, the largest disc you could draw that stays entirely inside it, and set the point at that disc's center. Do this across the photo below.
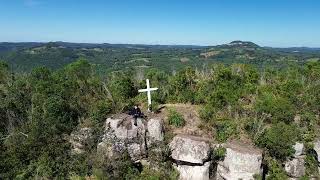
(280, 108)
(182, 86)
(122, 89)
(279, 139)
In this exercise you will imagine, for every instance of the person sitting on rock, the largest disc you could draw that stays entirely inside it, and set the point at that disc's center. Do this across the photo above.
(136, 113)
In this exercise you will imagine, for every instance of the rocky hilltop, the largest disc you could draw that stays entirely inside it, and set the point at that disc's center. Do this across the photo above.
(194, 157)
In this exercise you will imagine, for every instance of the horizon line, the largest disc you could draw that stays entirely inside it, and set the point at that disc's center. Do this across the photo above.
(156, 44)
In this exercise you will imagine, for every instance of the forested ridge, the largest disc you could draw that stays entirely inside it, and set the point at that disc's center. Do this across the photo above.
(271, 107)
(23, 57)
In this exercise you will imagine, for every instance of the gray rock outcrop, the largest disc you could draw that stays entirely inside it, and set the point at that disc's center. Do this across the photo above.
(155, 131)
(240, 162)
(298, 149)
(121, 134)
(194, 172)
(192, 157)
(295, 167)
(80, 139)
(189, 149)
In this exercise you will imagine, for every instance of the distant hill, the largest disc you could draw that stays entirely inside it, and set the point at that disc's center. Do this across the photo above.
(240, 44)
(298, 50)
(115, 57)
(6, 46)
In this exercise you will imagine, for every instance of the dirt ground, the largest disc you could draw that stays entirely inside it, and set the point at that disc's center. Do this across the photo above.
(191, 117)
(192, 124)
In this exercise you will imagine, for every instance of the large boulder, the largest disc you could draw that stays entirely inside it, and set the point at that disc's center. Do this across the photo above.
(155, 132)
(80, 139)
(190, 149)
(241, 162)
(121, 134)
(191, 154)
(194, 172)
(295, 167)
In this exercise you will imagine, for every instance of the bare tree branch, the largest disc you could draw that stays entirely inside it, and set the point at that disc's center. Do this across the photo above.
(6, 137)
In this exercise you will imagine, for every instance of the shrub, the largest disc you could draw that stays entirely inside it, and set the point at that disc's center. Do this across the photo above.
(254, 127)
(79, 166)
(115, 168)
(280, 108)
(311, 161)
(100, 110)
(165, 173)
(219, 154)
(206, 113)
(154, 106)
(278, 140)
(275, 170)
(225, 128)
(176, 119)
(308, 123)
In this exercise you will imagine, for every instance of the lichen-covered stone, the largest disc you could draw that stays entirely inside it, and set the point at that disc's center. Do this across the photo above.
(121, 134)
(189, 149)
(295, 167)
(299, 149)
(240, 162)
(155, 132)
(194, 172)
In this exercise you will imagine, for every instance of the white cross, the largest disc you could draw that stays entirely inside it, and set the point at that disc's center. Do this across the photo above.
(148, 90)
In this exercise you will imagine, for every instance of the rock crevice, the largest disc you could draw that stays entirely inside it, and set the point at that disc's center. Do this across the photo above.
(191, 156)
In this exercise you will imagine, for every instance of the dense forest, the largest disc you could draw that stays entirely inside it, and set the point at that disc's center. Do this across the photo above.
(271, 107)
(23, 57)
(41, 108)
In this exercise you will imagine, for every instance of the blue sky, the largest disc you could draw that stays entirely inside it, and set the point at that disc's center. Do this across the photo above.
(278, 23)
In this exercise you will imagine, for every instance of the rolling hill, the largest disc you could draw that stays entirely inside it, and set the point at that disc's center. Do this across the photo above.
(115, 57)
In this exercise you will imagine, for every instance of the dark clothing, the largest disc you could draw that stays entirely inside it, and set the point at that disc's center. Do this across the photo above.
(135, 120)
(136, 113)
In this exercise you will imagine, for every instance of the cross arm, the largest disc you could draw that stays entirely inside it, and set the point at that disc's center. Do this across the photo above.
(143, 90)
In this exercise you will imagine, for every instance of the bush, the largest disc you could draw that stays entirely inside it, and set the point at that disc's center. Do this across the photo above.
(254, 127)
(278, 140)
(100, 110)
(176, 119)
(280, 108)
(219, 154)
(275, 170)
(154, 106)
(225, 128)
(115, 168)
(80, 166)
(311, 161)
(206, 113)
(162, 173)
